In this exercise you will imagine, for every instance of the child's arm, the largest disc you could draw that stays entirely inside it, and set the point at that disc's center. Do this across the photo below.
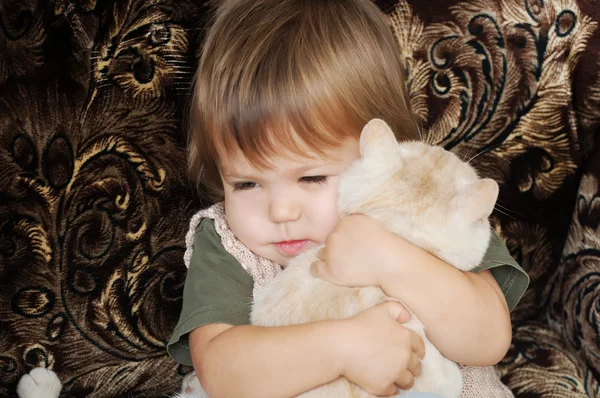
(465, 314)
(372, 349)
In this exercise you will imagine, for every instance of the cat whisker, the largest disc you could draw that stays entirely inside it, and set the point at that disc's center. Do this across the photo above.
(465, 155)
(507, 209)
(423, 136)
(494, 234)
(505, 213)
(486, 150)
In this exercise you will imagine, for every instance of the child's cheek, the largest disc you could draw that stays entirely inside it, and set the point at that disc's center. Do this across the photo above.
(327, 217)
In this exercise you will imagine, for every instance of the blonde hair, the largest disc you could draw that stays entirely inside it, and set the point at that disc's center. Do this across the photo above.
(275, 71)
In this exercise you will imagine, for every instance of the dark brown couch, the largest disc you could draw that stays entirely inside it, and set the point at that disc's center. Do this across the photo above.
(94, 201)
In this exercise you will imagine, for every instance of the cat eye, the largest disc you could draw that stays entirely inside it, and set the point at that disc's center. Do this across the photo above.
(314, 179)
(244, 186)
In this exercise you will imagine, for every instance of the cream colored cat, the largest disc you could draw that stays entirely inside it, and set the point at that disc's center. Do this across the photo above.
(424, 194)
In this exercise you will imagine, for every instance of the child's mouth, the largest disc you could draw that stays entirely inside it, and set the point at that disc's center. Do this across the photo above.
(291, 247)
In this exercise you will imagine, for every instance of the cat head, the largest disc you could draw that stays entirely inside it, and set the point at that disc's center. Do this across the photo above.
(423, 193)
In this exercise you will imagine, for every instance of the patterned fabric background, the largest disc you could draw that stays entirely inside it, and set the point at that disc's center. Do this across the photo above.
(94, 201)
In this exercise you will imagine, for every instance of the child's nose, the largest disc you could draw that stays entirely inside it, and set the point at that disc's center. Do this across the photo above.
(284, 208)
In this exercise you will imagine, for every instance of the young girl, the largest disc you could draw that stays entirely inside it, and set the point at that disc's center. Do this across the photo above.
(283, 90)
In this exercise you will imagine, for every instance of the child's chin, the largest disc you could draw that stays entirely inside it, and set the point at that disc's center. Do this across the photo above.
(273, 255)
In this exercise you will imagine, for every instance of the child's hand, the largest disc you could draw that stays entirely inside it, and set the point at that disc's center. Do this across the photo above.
(357, 253)
(380, 354)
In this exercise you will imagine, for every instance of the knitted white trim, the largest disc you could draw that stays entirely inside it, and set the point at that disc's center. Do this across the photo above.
(259, 268)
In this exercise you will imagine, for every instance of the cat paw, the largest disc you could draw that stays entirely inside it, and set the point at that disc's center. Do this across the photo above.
(190, 387)
(39, 383)
(190, 383)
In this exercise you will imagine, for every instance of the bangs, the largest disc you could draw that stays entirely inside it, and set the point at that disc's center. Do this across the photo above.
(304, 129)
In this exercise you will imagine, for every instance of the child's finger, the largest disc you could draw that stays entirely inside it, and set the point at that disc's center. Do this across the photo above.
(414, 365)
(398, 311)
(318, 269)
(321, 254)
(405, 381)
(418, 345)
(390, 391)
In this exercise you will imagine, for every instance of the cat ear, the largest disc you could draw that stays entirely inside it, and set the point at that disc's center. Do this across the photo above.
(375, 136)
(477, 201)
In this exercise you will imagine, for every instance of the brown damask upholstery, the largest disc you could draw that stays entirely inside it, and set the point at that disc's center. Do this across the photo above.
(94, 200)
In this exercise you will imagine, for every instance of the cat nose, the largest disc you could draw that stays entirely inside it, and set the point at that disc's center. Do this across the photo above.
(284, 209)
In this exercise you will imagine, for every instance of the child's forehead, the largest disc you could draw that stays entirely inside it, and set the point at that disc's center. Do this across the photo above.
(303, 157)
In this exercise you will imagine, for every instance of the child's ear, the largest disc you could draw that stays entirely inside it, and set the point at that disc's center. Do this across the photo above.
(477, 201)
(376, 135)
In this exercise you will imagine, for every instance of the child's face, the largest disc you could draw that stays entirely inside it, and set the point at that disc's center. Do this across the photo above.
(280, 212)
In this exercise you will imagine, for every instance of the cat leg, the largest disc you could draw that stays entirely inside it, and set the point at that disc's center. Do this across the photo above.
(39, 383)
(439, 375)
(190, 383)
(182, 394)
(190, 387)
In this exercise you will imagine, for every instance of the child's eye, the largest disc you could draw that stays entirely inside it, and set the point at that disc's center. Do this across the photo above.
(244, 186)
(314, 179)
